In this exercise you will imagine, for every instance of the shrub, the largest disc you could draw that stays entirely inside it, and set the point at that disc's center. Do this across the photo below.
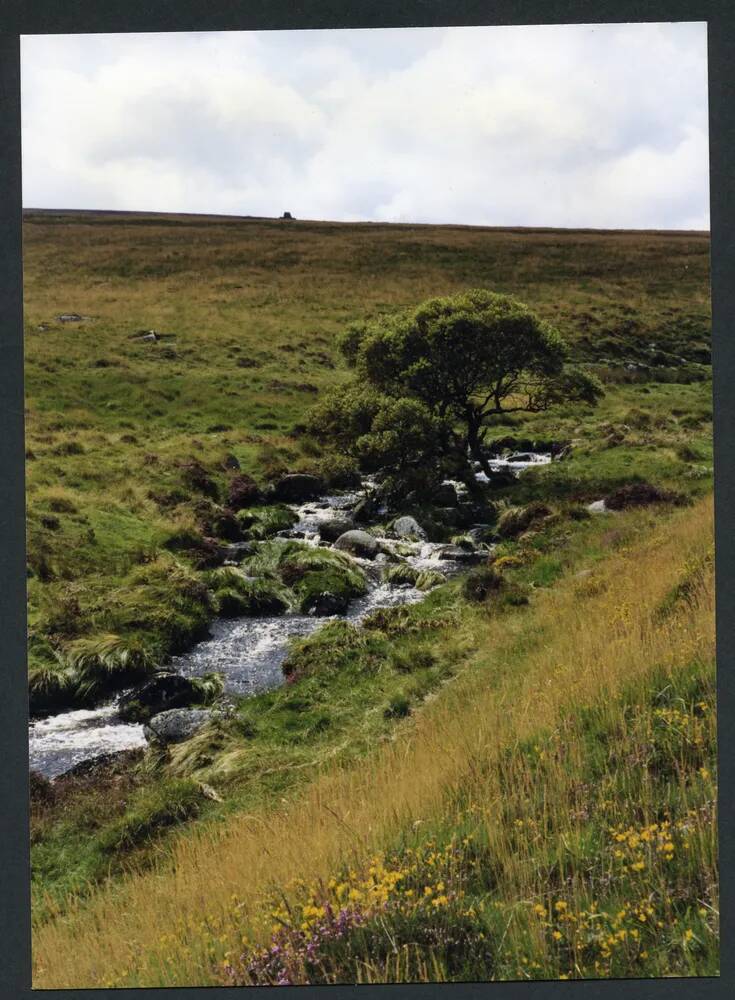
(480, 583)
(398, 707)
(515, 520)
(339, 471)
(329, 648)
(208, 687)
(51, 685)
(236, 595)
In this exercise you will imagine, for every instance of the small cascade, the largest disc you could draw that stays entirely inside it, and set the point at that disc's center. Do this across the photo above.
(249, 652)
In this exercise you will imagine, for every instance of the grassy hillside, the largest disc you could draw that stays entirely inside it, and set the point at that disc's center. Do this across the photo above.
(249, 310)
(547, 740)
(561, 789)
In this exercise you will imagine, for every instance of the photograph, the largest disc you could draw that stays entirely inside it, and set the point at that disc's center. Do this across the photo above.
(369, 505)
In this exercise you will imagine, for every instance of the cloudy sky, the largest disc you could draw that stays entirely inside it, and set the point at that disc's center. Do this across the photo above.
(568, 125)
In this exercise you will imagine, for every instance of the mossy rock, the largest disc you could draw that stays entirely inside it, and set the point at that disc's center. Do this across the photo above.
(238, 596)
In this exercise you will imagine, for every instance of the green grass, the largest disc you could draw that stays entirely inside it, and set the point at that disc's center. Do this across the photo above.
(130, 455)
(254, 308)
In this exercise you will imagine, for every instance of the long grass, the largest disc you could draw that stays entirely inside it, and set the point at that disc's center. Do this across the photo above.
(579, 644)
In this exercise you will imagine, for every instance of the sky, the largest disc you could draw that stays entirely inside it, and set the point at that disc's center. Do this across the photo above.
(601, 126)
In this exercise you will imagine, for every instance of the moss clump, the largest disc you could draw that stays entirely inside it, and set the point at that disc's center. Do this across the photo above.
(236, 595)
(308, 572)
(401, 573)
(51, 686)
(259, 523)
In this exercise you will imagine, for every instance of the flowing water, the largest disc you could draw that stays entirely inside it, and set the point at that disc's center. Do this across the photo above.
(248, 652)
(62, 741)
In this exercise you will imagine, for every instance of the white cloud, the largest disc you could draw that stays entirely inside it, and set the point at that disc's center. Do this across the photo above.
(576, 125)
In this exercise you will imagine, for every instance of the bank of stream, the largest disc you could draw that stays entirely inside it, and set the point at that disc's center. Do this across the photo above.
(248, 652)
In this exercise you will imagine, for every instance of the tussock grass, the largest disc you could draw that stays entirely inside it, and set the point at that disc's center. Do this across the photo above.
(579, 645)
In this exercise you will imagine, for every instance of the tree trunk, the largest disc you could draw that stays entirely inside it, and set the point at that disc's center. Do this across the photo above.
(475, 447)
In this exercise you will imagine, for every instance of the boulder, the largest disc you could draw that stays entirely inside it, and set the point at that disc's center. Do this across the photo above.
(331, 528)
(408, 528)
(176, 725)
(358, 543)
(104, 765)
(298, 486)
(225, 525)
(230, 463)
(243, 491)
(326, 603)
(445, 495)
(158, 693)
(237, 551)
(364, 510)
(457, 554)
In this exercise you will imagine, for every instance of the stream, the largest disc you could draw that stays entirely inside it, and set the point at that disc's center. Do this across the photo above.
(248, 652)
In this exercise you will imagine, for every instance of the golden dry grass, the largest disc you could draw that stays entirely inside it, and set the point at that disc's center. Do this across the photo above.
(579, 643)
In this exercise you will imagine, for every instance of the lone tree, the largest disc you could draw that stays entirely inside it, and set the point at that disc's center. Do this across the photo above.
(463, 360)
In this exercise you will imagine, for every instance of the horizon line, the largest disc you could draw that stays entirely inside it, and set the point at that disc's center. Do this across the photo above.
(361, 222)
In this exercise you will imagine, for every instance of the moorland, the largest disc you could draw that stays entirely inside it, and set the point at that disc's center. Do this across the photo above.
(513, 777)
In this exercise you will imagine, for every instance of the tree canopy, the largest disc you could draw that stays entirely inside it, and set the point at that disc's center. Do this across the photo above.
(434, 377)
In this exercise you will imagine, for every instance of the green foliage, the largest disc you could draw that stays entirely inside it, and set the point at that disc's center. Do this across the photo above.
(237, 595)
(208, 687)
(515, 520)
(429, 578)
(480, 583)
(51, 686)
(344, 415)
(339, 471)
(450, 363)
(401, 573)
(326, 650)
(260, 523)
(98, 662)
(151, 811)
(307, 571)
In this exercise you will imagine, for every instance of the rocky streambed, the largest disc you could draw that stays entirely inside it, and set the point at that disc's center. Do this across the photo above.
(249, 652)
